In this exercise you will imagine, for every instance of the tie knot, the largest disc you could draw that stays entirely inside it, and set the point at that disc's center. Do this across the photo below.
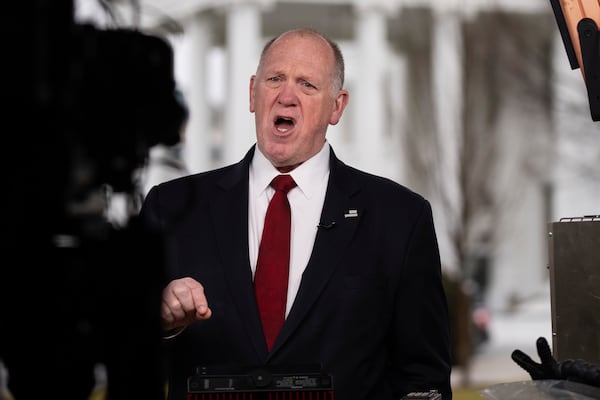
(283, 183)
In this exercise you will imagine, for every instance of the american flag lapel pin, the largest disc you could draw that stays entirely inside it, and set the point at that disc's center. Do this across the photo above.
(351, 214)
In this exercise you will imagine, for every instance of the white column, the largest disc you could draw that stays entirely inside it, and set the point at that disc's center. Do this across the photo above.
(190, 72)
(369, 116)
(447, 96)
(447, 99)
(243, 42)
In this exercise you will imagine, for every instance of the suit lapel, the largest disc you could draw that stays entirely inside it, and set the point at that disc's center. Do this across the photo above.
(342, 207)
(229, 210)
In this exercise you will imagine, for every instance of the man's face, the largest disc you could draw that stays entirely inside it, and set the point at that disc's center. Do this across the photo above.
(294, 99)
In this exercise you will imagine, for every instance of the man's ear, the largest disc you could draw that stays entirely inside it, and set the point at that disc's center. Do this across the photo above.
(251, 92)
(339, 105)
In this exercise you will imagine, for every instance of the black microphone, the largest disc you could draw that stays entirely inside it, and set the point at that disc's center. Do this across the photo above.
(330, 225)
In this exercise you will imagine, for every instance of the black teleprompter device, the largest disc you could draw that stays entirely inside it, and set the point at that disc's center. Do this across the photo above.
(260, 383)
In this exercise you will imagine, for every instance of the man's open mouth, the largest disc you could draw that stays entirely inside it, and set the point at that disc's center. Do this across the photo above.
(283, 124)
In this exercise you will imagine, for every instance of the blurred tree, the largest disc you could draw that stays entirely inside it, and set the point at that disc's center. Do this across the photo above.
(502, 144)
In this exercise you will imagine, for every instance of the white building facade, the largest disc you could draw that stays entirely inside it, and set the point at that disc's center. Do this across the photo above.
(461, 100)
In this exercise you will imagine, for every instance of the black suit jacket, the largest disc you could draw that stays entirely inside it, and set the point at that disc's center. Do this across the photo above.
(371, 309)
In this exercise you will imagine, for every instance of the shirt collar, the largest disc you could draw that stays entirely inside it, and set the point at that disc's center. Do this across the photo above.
(307, 175)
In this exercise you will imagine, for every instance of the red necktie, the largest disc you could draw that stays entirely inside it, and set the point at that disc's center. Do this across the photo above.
(272, 267)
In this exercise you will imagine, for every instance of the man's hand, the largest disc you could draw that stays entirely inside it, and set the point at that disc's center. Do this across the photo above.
(183, 302)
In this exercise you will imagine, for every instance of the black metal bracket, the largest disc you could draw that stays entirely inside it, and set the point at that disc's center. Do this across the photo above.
(590, 55)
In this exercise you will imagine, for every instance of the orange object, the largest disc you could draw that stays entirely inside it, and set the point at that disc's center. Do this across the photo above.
(574, 11)
(578, 22)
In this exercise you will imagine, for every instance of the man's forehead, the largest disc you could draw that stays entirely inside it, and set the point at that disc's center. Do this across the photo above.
(307, 65)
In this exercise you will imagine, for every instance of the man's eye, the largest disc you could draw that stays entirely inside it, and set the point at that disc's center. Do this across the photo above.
(307, 85)
(275, 79)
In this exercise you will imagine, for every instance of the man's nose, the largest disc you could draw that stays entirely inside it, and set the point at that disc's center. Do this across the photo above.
(288, 95)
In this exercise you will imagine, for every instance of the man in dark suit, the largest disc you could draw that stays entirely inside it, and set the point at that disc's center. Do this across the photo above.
(365, 300)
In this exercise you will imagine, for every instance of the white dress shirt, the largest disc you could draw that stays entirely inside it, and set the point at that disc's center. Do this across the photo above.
(306, 202)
